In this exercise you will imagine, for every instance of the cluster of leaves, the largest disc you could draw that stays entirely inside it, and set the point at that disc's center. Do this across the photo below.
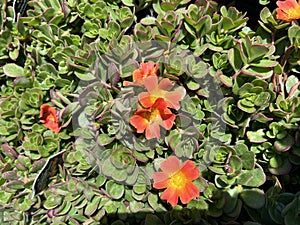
(244, 136)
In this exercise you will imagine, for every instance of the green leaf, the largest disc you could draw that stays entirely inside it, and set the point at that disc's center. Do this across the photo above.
(128, 2)
(153, 219)
(234, 57)
(22, 82)
(257, 52)
(139, 188)
(252, 178)
(153, 200)
(116, 191)
(13, 70)
(284, 144)
(257, 136)
(227, 81)
(254, 198)
(203, 26)
(5, 197)
(262, 99)
(15, 184)
(291, 81)
(166, 6)
(104, 139)
(265, 63)
(91, 208)
(148, 21)
(262, 72)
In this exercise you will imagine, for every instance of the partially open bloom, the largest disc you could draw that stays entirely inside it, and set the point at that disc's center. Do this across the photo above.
(49, 118)
(145, 70)
(177, 179)
(151, 119)
(288, 10)
(161, 90)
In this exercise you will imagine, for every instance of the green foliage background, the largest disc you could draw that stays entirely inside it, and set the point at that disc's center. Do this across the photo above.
(252, 178)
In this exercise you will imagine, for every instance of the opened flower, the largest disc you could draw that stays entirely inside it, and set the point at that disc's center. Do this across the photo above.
(49, 118)
(177, 179)
(161, 90)
(151, 119)
(145, 70)
(288, 10)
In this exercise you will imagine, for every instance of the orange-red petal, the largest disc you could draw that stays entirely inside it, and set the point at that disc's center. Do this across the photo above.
(49, 118)
(171, 195)
(287, 4)
(160, 180)
(139, 122)
(170, 165)
(147, 69)
(165, 84)
(153, 131)
(161, 90)
(177, 179)
(168, 123)
(288, 10)
(190, 192)
(189, 170)
(151, 83)
(173, 97)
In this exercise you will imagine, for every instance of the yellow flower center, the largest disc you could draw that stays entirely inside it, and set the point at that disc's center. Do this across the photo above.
(178, 180)
(294, 13)
(51, 118)
(154, 114)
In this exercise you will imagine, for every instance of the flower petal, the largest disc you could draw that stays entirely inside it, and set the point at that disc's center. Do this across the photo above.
(281, 15)
(160, 180)
(153, 131)
(174, 97)
(52, 125)
(49, 118)
(151, 83)
(160, 104)
(165, 84)
(288, 10)
(171, 195)
(188, 193)
(139, 123)
(46, 110)
(146, 99)
(168, 121)
(287, 4)
(170, 165)
(189, 170)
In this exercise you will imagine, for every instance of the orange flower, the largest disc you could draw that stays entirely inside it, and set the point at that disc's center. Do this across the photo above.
(288, 10)
(178, 180)
(151, 119)
(161, 90)
(145, 70)
(49, 118)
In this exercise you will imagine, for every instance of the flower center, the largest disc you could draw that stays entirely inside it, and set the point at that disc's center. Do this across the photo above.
(155, 113)
(51, 118)
(294, 13)
(151, 116)
(178, 180)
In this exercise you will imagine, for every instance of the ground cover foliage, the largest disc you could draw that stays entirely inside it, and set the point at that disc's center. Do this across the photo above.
(73, 150)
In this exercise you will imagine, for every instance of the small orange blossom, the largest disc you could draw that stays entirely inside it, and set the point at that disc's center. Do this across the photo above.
(49, 118)
(151, 119)
(177, 179)
(146, 69)
(161, 90)
(288, 10)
